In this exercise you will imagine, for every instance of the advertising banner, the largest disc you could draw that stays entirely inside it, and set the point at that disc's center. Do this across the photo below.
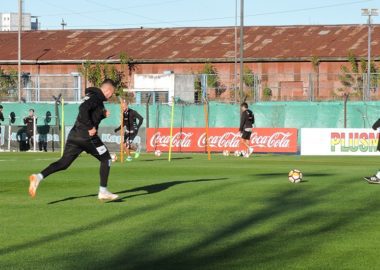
(263, 140)
(112, 139)
(339, 142)
(15, 138)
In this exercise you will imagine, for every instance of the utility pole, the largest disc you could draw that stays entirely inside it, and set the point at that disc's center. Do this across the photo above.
(241, 49)
(19, 49)
(236, 49)
(369, 13)
(63, 24)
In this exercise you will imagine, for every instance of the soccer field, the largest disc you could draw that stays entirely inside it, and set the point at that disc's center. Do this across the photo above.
(227, 213)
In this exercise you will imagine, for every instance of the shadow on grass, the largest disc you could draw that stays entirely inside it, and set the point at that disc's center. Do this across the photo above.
(134, 213)
(155, 188)
(231, 247)
(149, 189)
(165, 159)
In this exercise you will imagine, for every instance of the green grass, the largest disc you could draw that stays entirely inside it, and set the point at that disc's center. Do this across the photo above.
(227, 213)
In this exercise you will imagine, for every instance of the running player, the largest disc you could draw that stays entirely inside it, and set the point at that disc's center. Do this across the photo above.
(375, 179)
(247, 119)
(83, 137)
(131, 130)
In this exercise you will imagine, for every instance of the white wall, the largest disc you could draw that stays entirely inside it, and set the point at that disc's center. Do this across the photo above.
(179, 86)
(9, 21)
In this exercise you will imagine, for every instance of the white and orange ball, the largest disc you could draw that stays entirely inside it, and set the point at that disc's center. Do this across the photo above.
(226, 153)
(295, 176)
(113, 157)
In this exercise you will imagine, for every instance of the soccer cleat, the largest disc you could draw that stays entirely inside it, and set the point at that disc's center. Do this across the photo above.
(107, 196)
(129, 158)
(34, 181)
(137, 154)
(372, 179)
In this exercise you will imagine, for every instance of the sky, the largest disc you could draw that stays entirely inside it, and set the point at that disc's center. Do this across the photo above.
(101, 14)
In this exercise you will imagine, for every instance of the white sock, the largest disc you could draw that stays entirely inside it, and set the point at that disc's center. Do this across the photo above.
(103, 189)
(40, 177)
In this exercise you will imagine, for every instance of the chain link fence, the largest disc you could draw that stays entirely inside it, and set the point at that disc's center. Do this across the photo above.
(215, 87)
(41, 88)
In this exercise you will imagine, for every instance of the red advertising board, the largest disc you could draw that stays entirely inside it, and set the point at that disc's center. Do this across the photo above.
(263, 140)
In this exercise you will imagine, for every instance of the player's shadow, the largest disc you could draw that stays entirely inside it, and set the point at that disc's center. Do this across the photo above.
(149, 189)
(165, 159)
(155, 188)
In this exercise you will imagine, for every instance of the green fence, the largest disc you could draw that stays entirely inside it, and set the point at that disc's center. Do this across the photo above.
(267, 114)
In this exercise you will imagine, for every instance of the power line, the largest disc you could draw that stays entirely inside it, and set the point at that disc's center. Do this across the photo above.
(214, 18)
(104, 11)
(73, 11)
(128, 13)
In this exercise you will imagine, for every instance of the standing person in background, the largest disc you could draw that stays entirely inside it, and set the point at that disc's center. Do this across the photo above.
(131, 129)
(29, 122)
(43, 132)
(247, 119)
(1, 119)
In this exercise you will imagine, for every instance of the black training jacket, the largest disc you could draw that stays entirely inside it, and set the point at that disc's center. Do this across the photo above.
(91, 111)
(375, 126)
(1, 119)
(247, 120)
(29, 122)
(130, 120)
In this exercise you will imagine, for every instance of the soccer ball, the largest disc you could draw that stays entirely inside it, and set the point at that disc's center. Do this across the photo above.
(237, 153)
(113, 157)
(157, 153)
(226, 153)
(295, 176)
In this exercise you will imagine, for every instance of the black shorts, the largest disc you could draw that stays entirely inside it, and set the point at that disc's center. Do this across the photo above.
(246, 135)
(77, 143)
(129, 137)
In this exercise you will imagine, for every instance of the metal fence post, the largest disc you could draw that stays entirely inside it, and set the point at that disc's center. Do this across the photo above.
(311, 87)
(256, 87)
(204, 85)
(365, 87)
(38, 97)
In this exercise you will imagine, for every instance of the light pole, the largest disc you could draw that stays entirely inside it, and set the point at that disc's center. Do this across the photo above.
(369, 12)
(236, 44)
(241, 49)
(19, 49)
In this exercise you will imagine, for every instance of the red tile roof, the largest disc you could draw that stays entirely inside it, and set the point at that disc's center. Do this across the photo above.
(262, 43)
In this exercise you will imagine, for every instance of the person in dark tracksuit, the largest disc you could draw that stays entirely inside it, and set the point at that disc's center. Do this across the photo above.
(375, 179)
(29, 121)
(247, 119)
(130, 118)
(83, 137)
(1, 119)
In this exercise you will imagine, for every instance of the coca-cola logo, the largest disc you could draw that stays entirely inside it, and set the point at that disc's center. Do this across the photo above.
(225, 140)
(219, 139)
(180, 139)
(275, 140)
